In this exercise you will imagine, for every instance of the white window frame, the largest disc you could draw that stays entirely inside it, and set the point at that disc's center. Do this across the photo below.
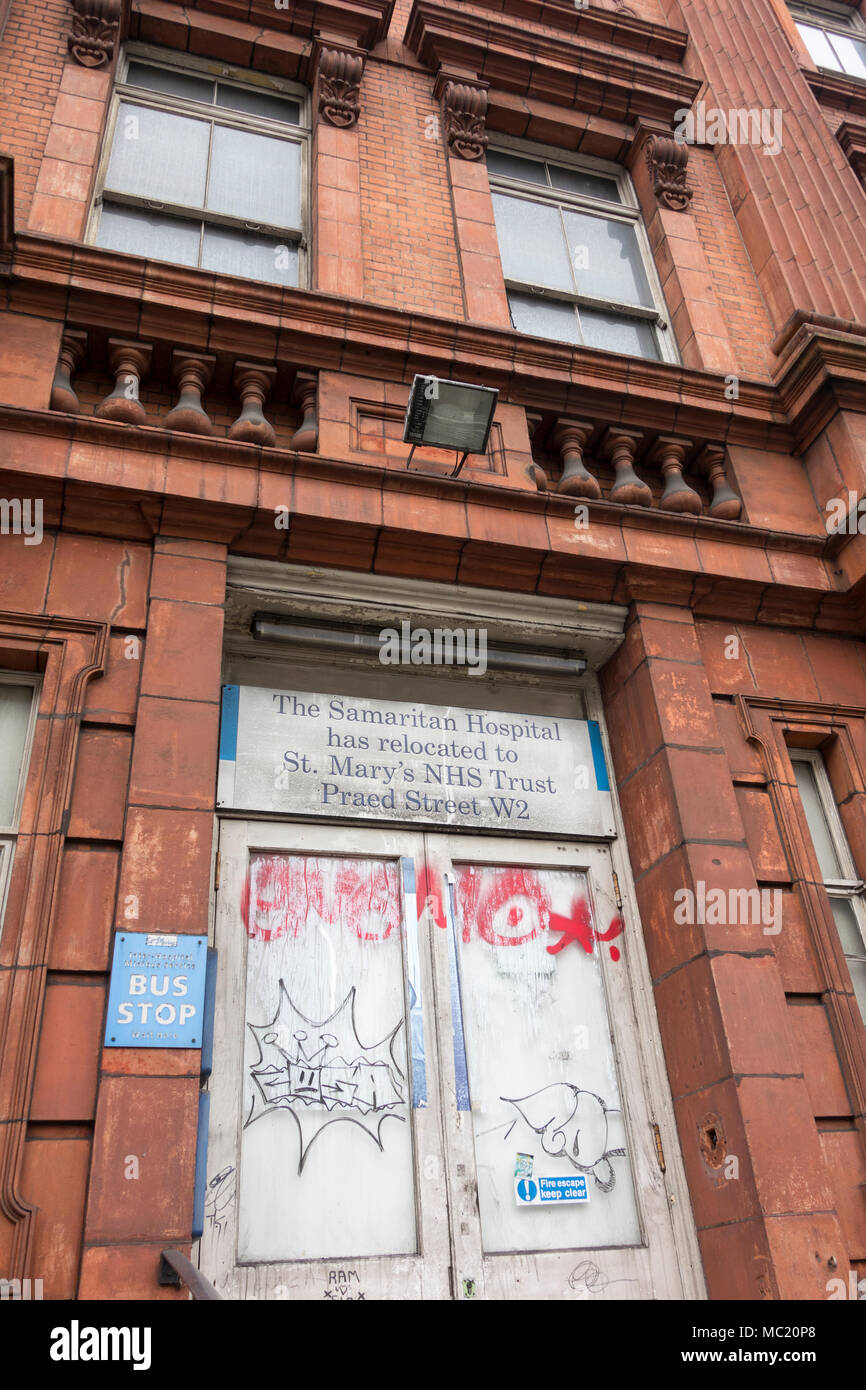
(628, 210)
(850, 887)
(237, 120)
(9, 833)
(832, 19)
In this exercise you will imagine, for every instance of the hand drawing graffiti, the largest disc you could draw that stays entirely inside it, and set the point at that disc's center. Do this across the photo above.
(218, 1199)
(573, 1125)
(322, 1073)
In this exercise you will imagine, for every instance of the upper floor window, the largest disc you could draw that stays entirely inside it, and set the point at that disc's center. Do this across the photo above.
(17, 718)
(574, 254)
(835, 37)
(845, 889)
(205, 166)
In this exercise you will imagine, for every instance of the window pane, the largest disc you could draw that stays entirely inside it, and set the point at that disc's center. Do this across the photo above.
(852, 945)
(15, 702)
(151, 234)
(159, 156)
(255, 177)
(326, 1141)
(819, 47)
(181, 84)
(852, 55)
(513, 167)
(544, 319)
(616, 333)
(531, 243)
(576, 181)
(258, 104)
(816, 820)
(539, 1094)
(255, 258)
(607, 260)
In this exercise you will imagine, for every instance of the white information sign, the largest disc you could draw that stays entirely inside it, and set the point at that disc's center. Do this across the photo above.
(343, 756)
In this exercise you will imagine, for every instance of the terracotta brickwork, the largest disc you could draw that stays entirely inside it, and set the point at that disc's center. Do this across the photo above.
(706, 481)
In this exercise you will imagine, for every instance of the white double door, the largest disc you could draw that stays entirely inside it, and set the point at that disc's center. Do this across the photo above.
(427, 1075)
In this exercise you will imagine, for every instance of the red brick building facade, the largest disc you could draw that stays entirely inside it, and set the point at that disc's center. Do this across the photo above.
(185, 442)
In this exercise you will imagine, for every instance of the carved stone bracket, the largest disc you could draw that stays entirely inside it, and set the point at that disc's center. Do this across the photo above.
(339, 75)
(464, 107)
(668, 161)
(94, 31)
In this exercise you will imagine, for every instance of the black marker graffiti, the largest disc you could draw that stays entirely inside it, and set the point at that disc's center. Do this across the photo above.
(573, 1125)
(323, 1077)
(588, 1278)
(218, 1199)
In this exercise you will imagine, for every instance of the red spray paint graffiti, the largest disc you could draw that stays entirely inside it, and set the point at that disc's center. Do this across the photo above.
(428, 895)
(511, 907)
(283, 891)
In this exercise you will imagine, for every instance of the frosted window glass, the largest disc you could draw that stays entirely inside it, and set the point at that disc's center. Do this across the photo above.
(513, 167)
(15, 703)
(255, 177)
(607, 260)
(531, 243)
(576, 181)
(816, 820)
(852, 54)
(615, 333)
(149, 234)
(819, 47)
(544, 319)
(238, 253)
(181, 84)
(258, 104)
(159, 156)
(852, 945)
(326, 1139)
(536, 1087)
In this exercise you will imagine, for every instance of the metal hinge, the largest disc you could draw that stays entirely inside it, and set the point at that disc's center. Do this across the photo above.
(616, 890)
(216, 872)
(660, 1153)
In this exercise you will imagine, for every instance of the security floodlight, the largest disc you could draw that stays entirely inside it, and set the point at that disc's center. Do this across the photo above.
(449, 415)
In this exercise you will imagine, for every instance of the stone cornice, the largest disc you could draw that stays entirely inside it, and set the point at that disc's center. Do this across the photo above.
(124, 296)
(226, 496)
(823, 371)
(837, 91)
(563, 69)
(363, 22)
(589, 23)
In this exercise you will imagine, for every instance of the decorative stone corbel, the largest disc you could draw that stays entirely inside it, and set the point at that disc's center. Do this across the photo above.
(668, 161)
(129, 363)
(726, 505)
(192, 371)
(253, 384)
(94, 31)
(339, 76)
(620, 446)
(306, 437)
(570, 438)
(464, 107)
(73, 346)
(670, 455)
